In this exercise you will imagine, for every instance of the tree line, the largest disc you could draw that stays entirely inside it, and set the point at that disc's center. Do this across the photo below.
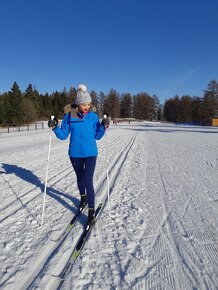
(17, 108)
(193, 110)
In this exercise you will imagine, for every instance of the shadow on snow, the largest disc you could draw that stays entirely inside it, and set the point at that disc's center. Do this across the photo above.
(30, 177)
(168, 128)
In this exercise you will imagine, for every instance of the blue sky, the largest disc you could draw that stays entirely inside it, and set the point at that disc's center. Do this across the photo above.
(160, 47)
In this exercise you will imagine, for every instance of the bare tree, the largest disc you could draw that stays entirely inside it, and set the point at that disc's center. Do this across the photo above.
(112, 104)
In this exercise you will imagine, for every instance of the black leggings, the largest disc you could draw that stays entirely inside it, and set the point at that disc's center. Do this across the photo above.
(84, 169)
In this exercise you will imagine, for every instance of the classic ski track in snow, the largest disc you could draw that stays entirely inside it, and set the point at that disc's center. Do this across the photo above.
(48, 253)
(167, 231)
(165, 251)
(163, 229)
(101, 195)
(25, 198)
(186, 265)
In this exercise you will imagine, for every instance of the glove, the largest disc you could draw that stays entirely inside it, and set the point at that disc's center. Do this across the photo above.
(52, 122)
(105, 121)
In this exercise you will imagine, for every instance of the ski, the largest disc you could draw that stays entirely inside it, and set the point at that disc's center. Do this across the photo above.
(78, 248)
(68, 228)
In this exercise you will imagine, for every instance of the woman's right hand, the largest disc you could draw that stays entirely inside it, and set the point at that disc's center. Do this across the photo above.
(52, 122)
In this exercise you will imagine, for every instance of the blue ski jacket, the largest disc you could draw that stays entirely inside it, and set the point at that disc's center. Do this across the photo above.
(83, 134)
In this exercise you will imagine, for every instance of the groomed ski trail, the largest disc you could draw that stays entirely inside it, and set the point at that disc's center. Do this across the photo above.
(51, 259)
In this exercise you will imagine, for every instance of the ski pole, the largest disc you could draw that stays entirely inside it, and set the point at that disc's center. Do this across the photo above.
(108, 181)
(46, 179)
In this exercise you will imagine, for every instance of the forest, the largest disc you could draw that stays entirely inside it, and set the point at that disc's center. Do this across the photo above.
(18, 108)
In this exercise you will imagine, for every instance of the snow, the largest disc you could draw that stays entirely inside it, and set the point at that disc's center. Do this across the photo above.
(160, 231)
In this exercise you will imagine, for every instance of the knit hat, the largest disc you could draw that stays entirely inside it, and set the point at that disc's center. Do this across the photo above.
(82, 97)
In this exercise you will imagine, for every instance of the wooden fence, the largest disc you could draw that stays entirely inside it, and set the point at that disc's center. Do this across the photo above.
(27, 127)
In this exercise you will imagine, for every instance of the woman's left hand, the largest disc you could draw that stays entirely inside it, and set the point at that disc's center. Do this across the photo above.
(105, 121)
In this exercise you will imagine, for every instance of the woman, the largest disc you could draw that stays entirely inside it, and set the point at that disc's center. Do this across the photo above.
(84, 128)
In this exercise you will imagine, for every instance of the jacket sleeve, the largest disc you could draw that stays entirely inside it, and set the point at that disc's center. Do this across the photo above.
(63, 132)
(99, 129)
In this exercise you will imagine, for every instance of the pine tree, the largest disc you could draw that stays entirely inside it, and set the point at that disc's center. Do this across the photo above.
(185, 110)
(94, 100)
(30, 93)
(14, 109)
(47, 105)
(197, 111)
(2, 113)
(71, 95)
(3, 97)
(210, 102)
(171, 109)
(59, 101)
(30, 105)
(126, 106)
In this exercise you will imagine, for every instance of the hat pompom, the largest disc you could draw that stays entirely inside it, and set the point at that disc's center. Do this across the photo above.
(82, 87)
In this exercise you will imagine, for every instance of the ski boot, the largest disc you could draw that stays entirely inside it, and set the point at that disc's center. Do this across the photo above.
(83, 202)
(91, 217)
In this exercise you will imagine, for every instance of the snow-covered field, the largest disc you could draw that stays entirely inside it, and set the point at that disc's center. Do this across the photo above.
(162, 231)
